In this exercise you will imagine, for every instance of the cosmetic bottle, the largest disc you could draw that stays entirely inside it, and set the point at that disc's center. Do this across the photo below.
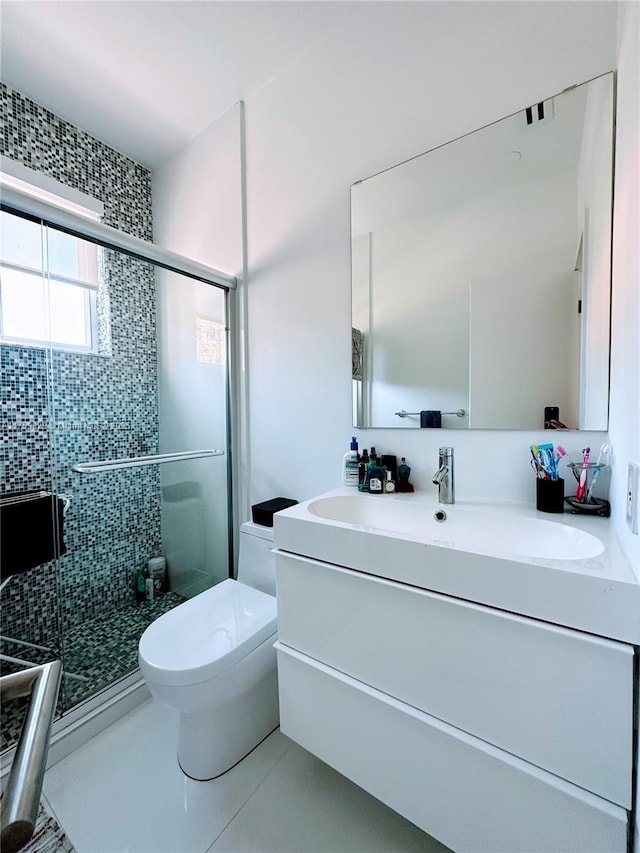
(389, 483)
(140, 586)
(390, 462)
(157, 569)
(404, 471)
(363, 464)
(350, 464)
(375, 474)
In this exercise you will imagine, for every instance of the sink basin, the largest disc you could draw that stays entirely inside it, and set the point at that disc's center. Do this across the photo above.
(469, 530)
(567, 570)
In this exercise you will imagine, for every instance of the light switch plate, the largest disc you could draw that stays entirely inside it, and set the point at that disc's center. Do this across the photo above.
(633, 485)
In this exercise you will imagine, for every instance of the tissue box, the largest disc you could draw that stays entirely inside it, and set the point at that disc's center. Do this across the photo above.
(262, 513)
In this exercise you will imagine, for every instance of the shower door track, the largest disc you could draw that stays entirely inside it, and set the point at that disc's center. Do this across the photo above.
(16, 201)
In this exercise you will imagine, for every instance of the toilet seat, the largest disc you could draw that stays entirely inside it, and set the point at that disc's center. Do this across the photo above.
(206, 635)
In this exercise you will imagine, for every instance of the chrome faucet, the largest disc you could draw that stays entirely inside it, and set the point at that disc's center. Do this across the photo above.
(443, 478)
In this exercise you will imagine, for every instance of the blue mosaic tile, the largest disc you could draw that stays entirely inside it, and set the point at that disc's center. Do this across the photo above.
(60, 408)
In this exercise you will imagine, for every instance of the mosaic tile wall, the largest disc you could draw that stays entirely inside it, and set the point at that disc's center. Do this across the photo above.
(60, 408)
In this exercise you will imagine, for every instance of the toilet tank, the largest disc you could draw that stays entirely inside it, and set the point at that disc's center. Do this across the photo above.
(256, 563)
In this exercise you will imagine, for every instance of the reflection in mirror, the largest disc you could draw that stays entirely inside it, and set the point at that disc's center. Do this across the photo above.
(481, 275)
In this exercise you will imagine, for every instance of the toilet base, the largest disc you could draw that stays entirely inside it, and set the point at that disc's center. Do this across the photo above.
(212, 741)
(210, 778)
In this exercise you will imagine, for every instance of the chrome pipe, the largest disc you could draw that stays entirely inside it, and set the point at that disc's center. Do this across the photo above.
(24, 785)
(138, 461)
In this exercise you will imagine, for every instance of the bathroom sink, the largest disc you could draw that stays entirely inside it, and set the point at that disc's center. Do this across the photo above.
(469, 530)
(564, 569)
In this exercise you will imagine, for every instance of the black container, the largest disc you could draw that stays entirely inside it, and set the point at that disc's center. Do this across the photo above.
(550, 495)
(390, 462)
(263, 513)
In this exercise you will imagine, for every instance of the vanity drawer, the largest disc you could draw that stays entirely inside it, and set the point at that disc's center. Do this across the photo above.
(462, 791)
(560, 699)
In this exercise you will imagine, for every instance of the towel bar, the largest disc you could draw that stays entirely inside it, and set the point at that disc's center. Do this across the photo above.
(138, 461)
(459, 413)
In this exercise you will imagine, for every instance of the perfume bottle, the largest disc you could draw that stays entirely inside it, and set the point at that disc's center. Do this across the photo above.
(362, 470)
(404, 472)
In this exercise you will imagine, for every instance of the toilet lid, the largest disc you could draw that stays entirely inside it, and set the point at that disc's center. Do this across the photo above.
(207, 634)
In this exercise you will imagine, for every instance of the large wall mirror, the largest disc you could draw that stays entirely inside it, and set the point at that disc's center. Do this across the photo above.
(481, 275)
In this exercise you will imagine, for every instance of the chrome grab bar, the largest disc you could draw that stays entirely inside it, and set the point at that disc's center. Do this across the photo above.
(24, 785)
(137, 461)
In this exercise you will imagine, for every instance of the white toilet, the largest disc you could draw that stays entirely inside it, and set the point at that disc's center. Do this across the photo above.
(212, 659)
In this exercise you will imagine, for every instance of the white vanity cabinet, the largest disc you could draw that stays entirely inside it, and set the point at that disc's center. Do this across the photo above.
(491, 731)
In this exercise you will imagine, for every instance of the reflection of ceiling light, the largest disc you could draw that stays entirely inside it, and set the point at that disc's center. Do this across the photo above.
(515, 156)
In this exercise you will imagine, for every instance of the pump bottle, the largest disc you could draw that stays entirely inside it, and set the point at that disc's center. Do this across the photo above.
(350, 464)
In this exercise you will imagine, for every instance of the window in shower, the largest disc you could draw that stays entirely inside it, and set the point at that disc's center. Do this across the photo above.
(49, 280)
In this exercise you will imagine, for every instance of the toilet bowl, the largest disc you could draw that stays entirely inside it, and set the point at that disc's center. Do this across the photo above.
(212, 659)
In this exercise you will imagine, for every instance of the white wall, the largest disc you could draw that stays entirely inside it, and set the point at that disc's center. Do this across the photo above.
(197, 197)
(624, 423)
(400, 79)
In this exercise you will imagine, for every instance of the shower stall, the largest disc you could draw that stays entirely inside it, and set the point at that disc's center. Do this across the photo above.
(115, 384)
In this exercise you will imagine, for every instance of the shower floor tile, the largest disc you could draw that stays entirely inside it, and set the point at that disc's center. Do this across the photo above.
(96, 654)
(105, 648)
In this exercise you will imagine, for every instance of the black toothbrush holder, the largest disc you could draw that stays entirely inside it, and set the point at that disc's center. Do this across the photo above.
(550, 495)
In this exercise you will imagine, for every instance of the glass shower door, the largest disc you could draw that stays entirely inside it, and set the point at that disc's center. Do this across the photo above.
(146, 374)
(147, 392)
(193, 397)
(31, 524)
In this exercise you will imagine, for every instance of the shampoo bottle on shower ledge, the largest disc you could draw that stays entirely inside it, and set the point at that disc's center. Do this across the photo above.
(157, 569)
(140, 585)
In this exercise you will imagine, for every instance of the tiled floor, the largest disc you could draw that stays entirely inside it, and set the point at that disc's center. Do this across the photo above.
(123, 791)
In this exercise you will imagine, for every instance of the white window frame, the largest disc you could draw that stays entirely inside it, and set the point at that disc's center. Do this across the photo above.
(40, 186)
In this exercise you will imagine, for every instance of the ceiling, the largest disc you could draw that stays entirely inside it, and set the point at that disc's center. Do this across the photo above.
(146, 76)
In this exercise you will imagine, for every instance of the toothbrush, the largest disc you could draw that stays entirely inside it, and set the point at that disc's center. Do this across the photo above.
(582, 484)
(556, 456)
(604, 450)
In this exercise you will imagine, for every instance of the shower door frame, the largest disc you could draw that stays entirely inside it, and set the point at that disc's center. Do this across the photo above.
(102, 708)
